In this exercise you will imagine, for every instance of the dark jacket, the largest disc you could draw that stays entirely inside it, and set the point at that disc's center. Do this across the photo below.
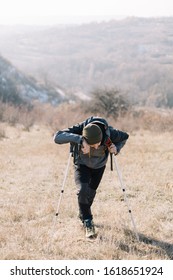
(97, 158)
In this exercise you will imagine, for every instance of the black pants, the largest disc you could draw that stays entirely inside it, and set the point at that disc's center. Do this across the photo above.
(87, 181)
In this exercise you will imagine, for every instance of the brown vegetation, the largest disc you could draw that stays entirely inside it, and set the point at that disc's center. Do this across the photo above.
(123, 54)
(32, 172)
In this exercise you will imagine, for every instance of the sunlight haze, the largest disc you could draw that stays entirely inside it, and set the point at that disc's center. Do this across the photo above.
(78, 11)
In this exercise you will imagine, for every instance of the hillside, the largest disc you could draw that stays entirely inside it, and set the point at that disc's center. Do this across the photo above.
(32, 172)
(134, 55)
(18, 88)
(51, 64)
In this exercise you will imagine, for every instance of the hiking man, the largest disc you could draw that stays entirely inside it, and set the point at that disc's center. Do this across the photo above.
(91, 142)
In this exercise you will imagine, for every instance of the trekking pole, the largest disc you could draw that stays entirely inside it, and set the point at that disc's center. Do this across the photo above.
(125, 197)
(63, 184)
(60, 198)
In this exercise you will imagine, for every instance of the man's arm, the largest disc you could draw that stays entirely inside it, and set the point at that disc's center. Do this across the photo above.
(72, 134)
(118, 138)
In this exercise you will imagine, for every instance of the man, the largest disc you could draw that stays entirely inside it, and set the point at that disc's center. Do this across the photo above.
(91, 142)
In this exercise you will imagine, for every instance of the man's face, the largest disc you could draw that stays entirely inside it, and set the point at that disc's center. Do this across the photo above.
(95, 146)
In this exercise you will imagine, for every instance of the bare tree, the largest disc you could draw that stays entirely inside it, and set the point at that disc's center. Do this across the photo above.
(107, 101)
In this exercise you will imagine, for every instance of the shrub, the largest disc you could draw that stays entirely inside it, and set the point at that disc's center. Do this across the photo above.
(107, 102)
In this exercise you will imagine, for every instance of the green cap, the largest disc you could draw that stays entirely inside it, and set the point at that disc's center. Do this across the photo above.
(92, 133)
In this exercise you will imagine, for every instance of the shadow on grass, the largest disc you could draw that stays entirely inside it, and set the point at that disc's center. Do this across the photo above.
(166, 247)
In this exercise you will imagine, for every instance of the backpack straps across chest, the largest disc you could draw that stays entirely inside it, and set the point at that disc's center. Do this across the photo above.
(108, 143)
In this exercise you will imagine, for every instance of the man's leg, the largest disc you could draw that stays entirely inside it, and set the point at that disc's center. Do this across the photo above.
(82, 179)
(87, 180)
(96, 176)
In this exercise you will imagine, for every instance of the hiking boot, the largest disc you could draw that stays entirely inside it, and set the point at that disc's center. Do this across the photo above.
(90, 229)
(80, 217)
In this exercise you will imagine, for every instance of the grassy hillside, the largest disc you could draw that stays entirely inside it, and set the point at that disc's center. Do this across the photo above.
(32, 172)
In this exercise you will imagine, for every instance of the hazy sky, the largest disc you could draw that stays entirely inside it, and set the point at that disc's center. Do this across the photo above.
(67, 11)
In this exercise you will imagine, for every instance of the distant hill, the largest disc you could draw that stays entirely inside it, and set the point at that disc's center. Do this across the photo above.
(17, 88)
(133, 54)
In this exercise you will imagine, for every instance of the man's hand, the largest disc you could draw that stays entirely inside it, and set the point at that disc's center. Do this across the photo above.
(85, 147)
(112, 149)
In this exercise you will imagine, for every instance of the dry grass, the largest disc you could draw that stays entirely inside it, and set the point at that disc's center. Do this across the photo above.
(32, 171)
